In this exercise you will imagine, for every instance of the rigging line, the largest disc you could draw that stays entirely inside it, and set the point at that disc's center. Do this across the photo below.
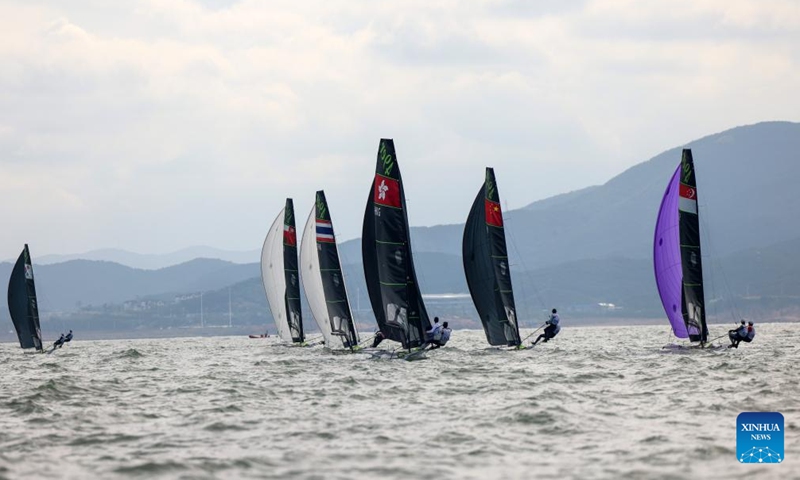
(419, 273)
(343, 260)
(315, 341)
(531, 334)
(418, 277)
(716, 338)
(732, 307)
(510, 236)
(367, 340)
(712, 277)
(735, 312)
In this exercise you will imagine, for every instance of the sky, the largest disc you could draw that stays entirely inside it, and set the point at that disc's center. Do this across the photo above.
(155, 125)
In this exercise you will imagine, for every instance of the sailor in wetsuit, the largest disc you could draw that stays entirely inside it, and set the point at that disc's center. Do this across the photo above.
(435, 332)
(59, 342)
(751, 333)
(552, 328)
(444, 337)
(68, 338)
(737, 335)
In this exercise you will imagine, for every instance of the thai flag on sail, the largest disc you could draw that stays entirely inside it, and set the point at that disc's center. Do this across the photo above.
(325, 231)
(688, 199)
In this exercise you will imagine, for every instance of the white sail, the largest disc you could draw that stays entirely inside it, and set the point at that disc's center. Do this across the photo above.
(274, 278)
(312, 280)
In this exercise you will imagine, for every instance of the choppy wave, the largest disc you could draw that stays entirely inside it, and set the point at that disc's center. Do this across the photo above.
(129, 353)
(593, 403)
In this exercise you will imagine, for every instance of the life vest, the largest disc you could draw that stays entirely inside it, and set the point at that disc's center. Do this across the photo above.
(444, 336)
(741, 331)
(436, 334)
(751, 333)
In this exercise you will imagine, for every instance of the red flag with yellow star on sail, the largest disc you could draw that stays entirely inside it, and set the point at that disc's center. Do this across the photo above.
(486, 267)
(494, 216)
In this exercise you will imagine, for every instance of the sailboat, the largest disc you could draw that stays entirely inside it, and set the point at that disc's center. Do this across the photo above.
(677, 260)
(22, 304)
(486, 267)
(280, 277)
(386, 253)
(323, 280)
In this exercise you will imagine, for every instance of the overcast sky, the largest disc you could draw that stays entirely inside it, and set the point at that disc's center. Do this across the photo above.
(156, 125)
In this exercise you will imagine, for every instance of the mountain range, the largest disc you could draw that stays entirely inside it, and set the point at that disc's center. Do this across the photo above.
(577, 250)
(746, 182)
(77, 283)
(153, 261)
(759, 283)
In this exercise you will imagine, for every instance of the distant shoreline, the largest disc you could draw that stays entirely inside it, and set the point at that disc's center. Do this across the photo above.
(245, 330)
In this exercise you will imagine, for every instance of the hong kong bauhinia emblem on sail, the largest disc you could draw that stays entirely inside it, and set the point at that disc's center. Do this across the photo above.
(387, 258)
(382, 190)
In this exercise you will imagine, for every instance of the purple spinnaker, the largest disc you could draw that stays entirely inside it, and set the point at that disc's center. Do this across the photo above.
(667, 257)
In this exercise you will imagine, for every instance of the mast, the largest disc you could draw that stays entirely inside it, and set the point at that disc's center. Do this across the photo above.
(694, 312)
(386, 253)
(279, 275)
(292, 298)
(677, 259)
(23, 306)
(486, 268)
(323, 280)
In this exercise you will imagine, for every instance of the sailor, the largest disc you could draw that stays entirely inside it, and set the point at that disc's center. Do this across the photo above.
(552, 328)
(737, 335)
(444, 337)
(751, 333)
(378, 339)
(68, 337)
(435, 331)
(59, 342)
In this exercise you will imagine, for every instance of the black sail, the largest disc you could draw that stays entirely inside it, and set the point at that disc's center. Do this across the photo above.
(292, 296)
(22, 304)
(486, 267)
(331, 273)
(693, 304)
(386, 253)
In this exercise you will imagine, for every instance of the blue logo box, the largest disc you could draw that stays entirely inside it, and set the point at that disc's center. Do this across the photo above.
(759, 437)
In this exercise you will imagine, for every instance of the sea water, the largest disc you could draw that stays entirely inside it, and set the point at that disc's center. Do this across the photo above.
(593, 403)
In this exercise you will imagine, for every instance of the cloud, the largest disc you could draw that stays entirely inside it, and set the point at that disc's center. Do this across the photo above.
(160, 124)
